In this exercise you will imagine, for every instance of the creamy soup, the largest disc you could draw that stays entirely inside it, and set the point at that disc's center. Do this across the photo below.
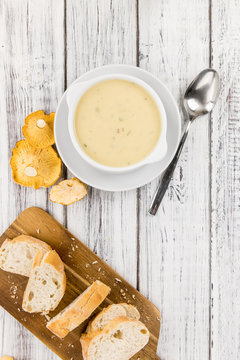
(117, 123)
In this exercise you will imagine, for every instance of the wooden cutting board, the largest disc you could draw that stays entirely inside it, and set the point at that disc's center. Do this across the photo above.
(82, 267)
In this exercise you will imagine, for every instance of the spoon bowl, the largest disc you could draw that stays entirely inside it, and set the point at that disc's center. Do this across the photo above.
(201, 95)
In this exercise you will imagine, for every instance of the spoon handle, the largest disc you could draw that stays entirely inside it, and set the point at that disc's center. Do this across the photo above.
(164, 182)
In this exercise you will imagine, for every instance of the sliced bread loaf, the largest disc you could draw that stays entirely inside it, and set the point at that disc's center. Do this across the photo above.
(17, 255)
(120, 339)
(111, 312)
(46, 284)
(79, 310)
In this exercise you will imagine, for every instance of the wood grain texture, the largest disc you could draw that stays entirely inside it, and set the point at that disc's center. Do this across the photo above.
(174, 245)
(32, 78)
(225, 184)
(82, 268)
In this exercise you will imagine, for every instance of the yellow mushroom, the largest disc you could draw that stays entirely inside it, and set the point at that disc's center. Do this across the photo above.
(68, 192)
(38, 129)
(35, 167)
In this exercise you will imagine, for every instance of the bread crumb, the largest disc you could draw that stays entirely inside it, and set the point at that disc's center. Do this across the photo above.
(94, 262)
(72, 238)
(99, 269)
(47, 317)
(13, 289)
(121, 291)
(38, 231)
(87, 265)
(133, 296)
(118, 280)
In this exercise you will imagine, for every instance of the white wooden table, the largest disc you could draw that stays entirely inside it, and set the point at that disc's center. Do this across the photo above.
(186, 260)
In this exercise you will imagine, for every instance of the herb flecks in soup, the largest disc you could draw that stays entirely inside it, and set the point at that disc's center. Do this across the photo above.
(117, 123)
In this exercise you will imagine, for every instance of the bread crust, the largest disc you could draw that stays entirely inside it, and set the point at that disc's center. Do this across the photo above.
(92, 324)
(79, 310)
(52, 258)
(86, 339)
(29, 239)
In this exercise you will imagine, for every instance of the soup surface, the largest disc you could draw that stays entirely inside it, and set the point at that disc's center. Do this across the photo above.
(117, 123)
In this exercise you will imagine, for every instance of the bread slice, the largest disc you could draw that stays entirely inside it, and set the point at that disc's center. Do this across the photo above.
(79, 310)
(46, 284)
(111, 312)
(132, 311)
(120, 339)
(17, 255)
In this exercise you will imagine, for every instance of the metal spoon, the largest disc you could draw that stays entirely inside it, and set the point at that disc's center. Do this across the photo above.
(199, 99)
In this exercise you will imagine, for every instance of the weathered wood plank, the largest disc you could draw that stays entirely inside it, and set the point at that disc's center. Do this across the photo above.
(174, 245)
(32, 78)
(225, 184)
(105, 34)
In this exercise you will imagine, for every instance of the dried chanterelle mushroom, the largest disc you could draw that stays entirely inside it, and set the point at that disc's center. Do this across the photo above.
(38, 129)
(35, 167)
(68, 192)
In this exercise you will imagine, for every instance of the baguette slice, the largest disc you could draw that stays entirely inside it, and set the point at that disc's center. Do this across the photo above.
(111, 312)
(46, 284)
(17, 255)
(132, 311)
(79, 310)
(120, 339)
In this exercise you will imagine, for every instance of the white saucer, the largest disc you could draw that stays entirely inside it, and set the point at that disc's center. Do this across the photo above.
(138, 177)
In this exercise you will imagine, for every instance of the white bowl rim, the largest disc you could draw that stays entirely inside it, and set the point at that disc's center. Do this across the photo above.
(87, 84)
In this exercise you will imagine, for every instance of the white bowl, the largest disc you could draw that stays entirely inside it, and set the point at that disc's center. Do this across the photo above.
(74, 94)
